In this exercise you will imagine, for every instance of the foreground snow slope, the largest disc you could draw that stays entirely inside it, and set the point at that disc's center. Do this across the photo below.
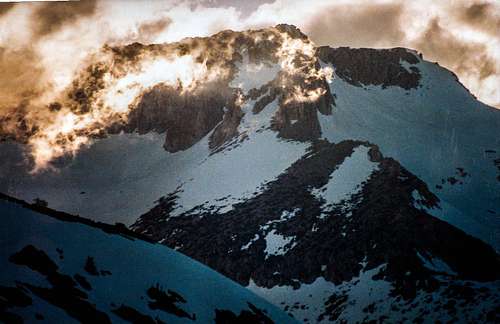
(66, 269)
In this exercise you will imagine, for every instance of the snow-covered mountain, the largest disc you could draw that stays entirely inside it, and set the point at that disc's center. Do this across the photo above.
(342, 234)
(375, 197)
(61, 268)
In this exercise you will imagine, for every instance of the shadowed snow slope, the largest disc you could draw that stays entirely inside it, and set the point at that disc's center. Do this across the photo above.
(62, 268)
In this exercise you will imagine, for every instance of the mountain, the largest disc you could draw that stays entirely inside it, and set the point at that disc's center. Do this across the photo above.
(371, 196)
(58, 267)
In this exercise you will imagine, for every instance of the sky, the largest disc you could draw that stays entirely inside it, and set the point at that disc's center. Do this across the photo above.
(43, 44)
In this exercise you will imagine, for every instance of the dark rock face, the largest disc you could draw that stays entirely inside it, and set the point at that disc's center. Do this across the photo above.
(12, 297)
(186, 118)
(90, 267)
(251, 316)
(132, 315)
(385, 226)
(497, 164)
(366, 66)
(299, 120)
(293, 119)
(166, 301)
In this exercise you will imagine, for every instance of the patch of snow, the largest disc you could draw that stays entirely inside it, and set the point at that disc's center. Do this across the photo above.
(436, 264)
(347, 179)
(361, 291)
(418, 200)
(287, 215)
(277, 244)
(246, 246)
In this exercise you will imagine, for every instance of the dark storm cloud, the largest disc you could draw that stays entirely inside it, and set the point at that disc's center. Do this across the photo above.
(20, 81)
(5, 7)
(52, 16)
(439, 44)
(357, 26)
(482, 16)
(153, 28)
(22, 72)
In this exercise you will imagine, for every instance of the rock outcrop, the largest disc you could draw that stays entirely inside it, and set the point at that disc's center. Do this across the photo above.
(367, 66)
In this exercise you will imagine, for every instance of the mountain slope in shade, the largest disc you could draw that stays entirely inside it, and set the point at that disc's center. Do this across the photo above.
(343, 234)
(58, 267)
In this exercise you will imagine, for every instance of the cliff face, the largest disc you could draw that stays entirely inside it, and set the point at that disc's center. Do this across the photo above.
(367, 66)
(185, 118)
(189, 116)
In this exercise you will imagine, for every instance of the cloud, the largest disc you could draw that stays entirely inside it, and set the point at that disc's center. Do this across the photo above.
(154, 27)
(245, 7)
(460, 35)
(357, 26)
(50, 17)
(5, 7)
(461, 56)
(20, 76)
(44, 45)
(482, 15)
(54, 40)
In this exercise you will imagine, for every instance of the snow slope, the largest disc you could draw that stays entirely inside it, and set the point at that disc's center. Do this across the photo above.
(432, 130)
(120, 177)
(240, 171)
(114, 180)
(342, 234)
(363, 297)
(127, 268)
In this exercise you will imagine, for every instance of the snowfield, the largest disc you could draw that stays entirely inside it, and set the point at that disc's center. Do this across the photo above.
(124, 271)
